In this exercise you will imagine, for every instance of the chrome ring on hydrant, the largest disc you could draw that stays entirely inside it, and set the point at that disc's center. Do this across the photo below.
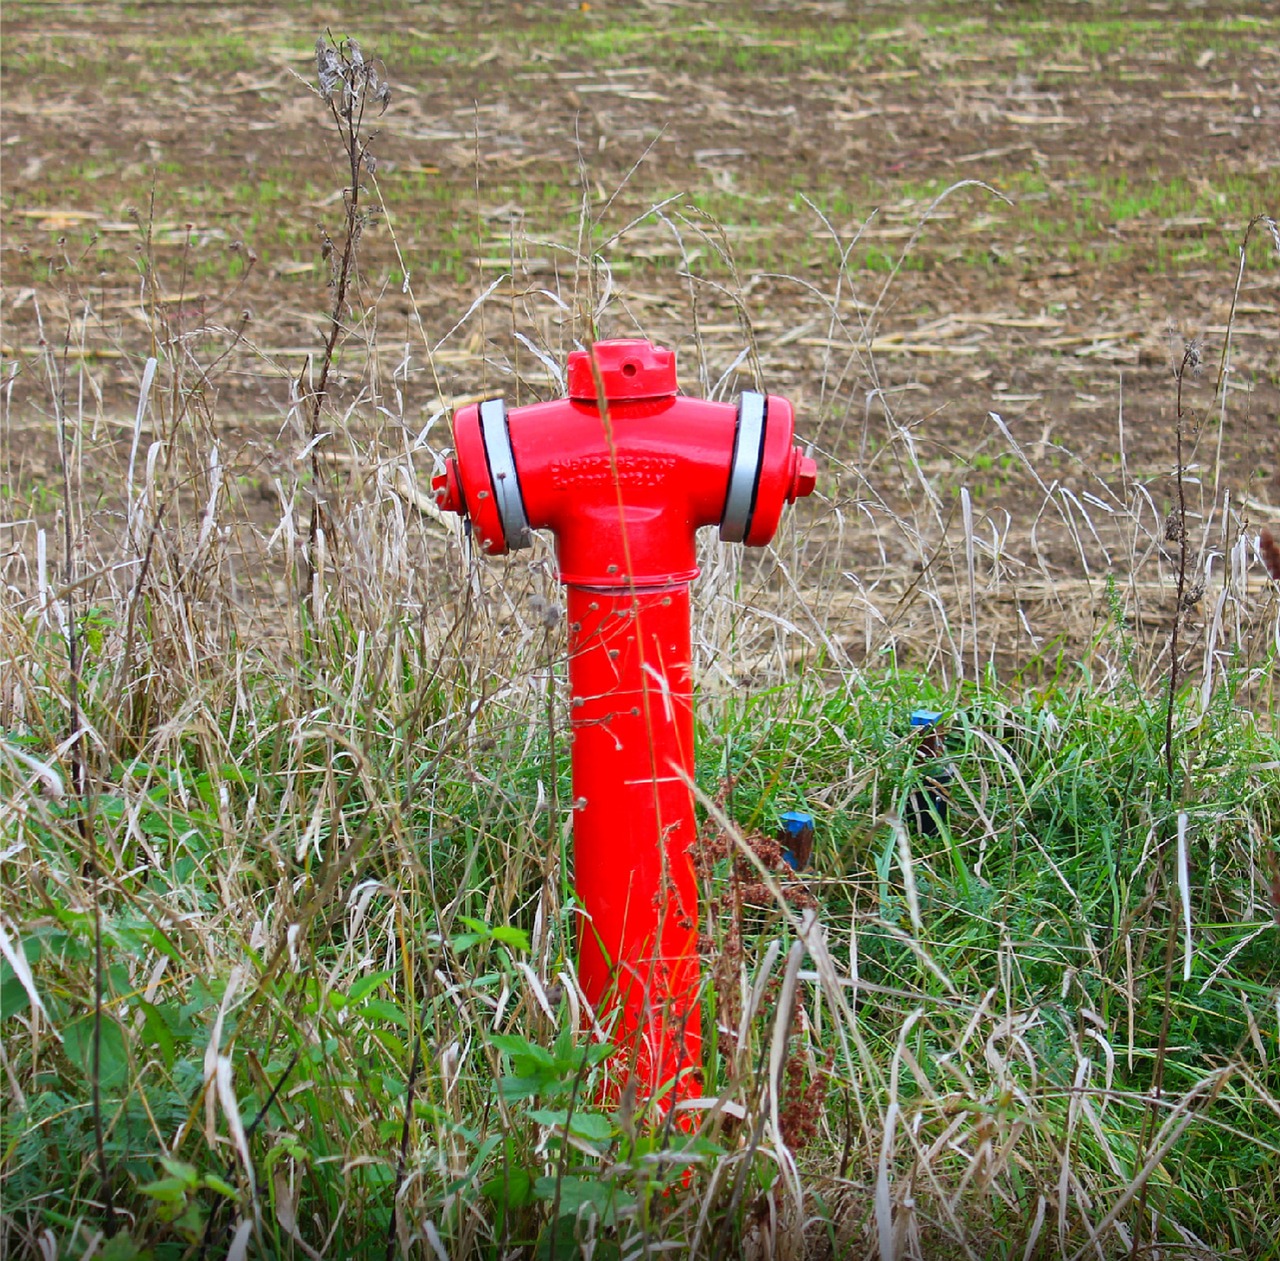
(744, 469)
(502, 472)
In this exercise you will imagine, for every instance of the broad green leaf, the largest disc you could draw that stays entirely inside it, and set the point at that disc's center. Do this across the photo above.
(526, 1057)
(517, 938)
(122, 1248)
(190, 1224)
(380, 1009)
(237, 774)
(14, 999)
(514, 1088)
(158, 939)
(180, 1169)
(156, 1031)
(388, 1040)
(558, 1242)
(220, 1185)
(510, 1187)
(483, 1152)
(590, 1125)
(206, 790)
(167, 1190)
(113, 1058)
(579, 1193)
(118, 980)
(367, 984)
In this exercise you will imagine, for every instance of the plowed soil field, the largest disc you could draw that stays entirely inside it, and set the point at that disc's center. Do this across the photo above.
(971, 242)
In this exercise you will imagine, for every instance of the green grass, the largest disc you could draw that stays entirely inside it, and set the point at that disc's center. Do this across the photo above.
(223, 830)
(740, 41)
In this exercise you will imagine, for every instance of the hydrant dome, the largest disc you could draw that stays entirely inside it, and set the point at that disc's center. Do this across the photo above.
(629, 368)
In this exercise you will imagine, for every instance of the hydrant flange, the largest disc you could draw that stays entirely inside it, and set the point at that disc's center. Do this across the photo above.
(744, 470)
(503, 474)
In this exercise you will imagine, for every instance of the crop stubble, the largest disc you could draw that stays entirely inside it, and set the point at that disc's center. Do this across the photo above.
(1056, 313)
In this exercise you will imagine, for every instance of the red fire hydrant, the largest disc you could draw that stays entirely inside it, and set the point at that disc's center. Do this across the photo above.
(623, 472)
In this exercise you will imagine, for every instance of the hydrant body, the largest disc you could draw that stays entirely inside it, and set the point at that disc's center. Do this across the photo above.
(624, 471)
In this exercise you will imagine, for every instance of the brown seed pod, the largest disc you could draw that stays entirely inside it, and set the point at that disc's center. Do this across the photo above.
(1270, 551)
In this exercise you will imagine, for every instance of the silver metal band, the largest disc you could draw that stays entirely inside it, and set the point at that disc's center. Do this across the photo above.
(744, 472)
(502, 471)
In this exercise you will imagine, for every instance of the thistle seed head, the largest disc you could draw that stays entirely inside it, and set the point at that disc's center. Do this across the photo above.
(342, 64)
(547, 611)
(328, 68)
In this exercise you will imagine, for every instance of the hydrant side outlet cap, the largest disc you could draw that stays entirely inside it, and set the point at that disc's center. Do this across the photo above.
(629, 368)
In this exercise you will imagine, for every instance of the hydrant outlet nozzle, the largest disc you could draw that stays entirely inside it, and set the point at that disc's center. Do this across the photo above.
(804, 477)
(447, 489)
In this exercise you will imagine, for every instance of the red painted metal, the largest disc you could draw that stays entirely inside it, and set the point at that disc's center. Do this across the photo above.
(624, 472)
(631, 714)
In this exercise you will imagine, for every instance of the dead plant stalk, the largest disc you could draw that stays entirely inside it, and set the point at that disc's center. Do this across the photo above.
(348, 84)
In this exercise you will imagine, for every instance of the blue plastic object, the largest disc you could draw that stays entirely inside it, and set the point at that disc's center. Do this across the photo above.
(795, 835)
(927, 805)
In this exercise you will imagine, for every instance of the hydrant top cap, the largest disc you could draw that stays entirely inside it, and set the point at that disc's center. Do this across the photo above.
(629, 369)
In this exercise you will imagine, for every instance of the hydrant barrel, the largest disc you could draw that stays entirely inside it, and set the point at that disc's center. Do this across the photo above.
(631, 716)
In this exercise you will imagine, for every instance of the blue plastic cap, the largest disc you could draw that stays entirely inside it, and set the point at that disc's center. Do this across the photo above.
(924, 717)
(795, 822)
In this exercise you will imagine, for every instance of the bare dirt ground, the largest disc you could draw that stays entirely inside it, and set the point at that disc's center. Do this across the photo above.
(177, 146)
